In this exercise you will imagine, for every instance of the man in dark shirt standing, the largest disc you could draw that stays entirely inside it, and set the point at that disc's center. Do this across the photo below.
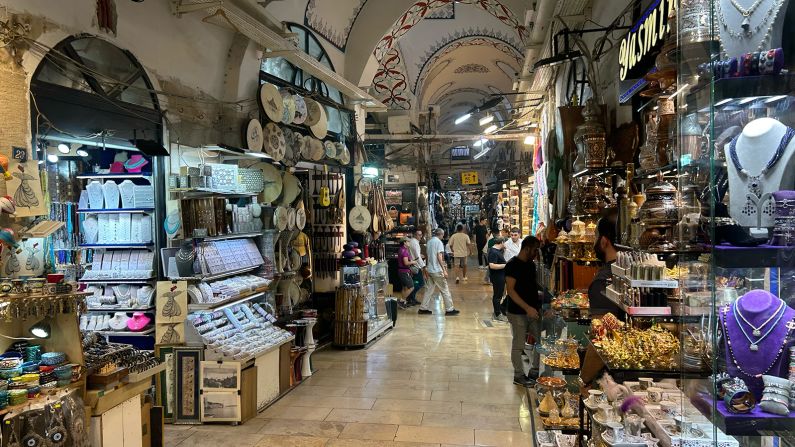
(606, 252)
(523, 309)
(481, 232)
(497, 277)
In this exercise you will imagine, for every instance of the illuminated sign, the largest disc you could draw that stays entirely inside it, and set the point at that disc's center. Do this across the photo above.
(645, 36)
(469, 178)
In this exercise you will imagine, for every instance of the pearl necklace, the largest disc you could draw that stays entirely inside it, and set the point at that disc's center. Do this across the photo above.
(747, 31)
(746, 12)
(758, 330)
(754, 345)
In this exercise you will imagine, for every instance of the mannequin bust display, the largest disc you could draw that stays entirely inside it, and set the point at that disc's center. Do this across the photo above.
(185, 257)
(756, 149)
(758, 325)
(760, 30)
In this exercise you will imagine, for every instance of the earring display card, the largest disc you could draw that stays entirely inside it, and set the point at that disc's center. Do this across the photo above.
(123, 229)
(121, 264)
(172, 301)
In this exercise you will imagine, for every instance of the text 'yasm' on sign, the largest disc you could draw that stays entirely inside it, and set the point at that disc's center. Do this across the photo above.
(644, 36)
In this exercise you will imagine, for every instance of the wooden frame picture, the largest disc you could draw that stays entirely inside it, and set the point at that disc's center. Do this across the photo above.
(218, 376)
(166, 386)
(187, 361)
(220, 407)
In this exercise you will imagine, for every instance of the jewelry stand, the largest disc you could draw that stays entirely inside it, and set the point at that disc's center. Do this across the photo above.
(765, 26)
(309, 343)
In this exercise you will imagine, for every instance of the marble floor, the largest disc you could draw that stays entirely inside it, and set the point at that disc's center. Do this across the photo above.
(432, 381)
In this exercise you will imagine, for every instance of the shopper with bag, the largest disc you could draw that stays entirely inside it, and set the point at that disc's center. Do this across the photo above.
(523, 309)
(459, 244)
(417, 272)
(404, 270)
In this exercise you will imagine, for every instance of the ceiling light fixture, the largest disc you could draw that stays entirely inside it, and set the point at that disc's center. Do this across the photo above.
(530, 140)
(486, 119)
(52, 158)
(480, 142)
(462, 118)
(483, 152)
(64, 148)
(81, 153)
(490, 129)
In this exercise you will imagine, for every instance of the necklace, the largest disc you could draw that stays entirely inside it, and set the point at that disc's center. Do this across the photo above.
(790, 327)
(757, 330)
(754, 345)
(746, 12)
(756, 180)
(747, 31)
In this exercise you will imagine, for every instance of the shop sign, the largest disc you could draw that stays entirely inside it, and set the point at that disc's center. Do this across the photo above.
(638, 48)
(469, 178)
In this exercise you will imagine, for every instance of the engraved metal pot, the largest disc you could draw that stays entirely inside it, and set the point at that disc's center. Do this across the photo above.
(590, 138)
(660, 209)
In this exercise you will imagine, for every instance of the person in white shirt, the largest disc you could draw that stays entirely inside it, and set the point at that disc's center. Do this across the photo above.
(513, 245)
(416, 256)
(437, 274)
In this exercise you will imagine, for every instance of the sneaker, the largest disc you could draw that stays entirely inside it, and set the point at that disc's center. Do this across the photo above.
(501, 318)
(523, 381)
(402, 304)
(422, 311)
(466, 279)
(452, 312)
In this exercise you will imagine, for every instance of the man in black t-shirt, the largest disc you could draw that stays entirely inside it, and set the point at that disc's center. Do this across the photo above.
(523, 309)
(481, 232)
(496, 264)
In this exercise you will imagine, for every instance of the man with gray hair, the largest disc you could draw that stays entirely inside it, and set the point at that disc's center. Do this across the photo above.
(437, 272)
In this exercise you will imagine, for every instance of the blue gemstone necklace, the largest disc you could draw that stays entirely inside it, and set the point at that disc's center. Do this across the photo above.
(755, 184)
(754, 345)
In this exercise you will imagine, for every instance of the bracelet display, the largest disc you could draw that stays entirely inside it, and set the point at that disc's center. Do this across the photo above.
(737, 397)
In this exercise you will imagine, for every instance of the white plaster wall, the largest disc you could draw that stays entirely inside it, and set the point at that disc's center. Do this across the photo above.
(184, 49)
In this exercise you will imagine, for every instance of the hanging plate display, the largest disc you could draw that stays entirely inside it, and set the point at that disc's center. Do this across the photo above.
(291, 219)
(254, 136)
(271, 102)
(274, 142)
(312, 112)
(359, 218)
(306, 140)
(300, 110)
(280, 218)
(345, 157)
(330, 149)
(289, 147)
(365, 186)
(288, 111)
(271, 181)
(291, 188)
(316, 150)
(300, 218)
(321, 128)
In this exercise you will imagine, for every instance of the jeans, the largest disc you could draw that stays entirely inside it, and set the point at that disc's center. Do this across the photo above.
(521, 326)
(498, 290)
(419, 283)
(437, 281)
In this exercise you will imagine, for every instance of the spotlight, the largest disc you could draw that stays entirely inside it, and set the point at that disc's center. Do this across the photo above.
(463, 118)
(530, 140)
(82, 153)
(52, 158)
(480, 142)
(490, 129)
(486, 119)
(64, 148)
(40, 330)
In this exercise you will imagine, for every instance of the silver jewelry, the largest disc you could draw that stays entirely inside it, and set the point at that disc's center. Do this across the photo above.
(747, 32)
(758, 330)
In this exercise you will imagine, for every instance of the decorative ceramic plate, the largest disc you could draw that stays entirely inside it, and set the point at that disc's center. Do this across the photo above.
(271, 102)
(316, 150)
(291, 188)
(305, 142)
(274, 142)
(359, 218)
(271, 181)
(291, 219)
(280, 218)
(312, 112)
(289, 147)
(320, 129)
(289, 107)
(300, 218)
(300, 110)
(365, 186)
(330, 149)
(343, 155)
(254, 136)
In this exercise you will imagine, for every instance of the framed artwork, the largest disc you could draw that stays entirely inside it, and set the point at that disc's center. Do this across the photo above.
(165, 382)
(187, 398)
(220, 407)
(220, 376)
(172, 301)
(170, 333)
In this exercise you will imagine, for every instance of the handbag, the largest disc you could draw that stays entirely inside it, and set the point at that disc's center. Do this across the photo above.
(414, 269)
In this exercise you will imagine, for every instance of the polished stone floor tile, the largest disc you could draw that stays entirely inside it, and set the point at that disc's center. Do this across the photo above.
(291, 441)
(359, 403)
(483, 422)
(503, 438)
(455, 435)
(283, 411)
(389, 393)
(377, 432)
(294, 427)
(375, 416)
(418, 405)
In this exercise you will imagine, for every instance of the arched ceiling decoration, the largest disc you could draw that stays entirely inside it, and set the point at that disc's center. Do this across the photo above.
(333, 20)
(390, 84)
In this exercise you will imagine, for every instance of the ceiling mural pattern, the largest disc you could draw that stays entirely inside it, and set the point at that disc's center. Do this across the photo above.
(442, 12)
(390, 84)
(462, 39)
(421, 9)
(449, 94)
(333, 19)
(472, 68)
